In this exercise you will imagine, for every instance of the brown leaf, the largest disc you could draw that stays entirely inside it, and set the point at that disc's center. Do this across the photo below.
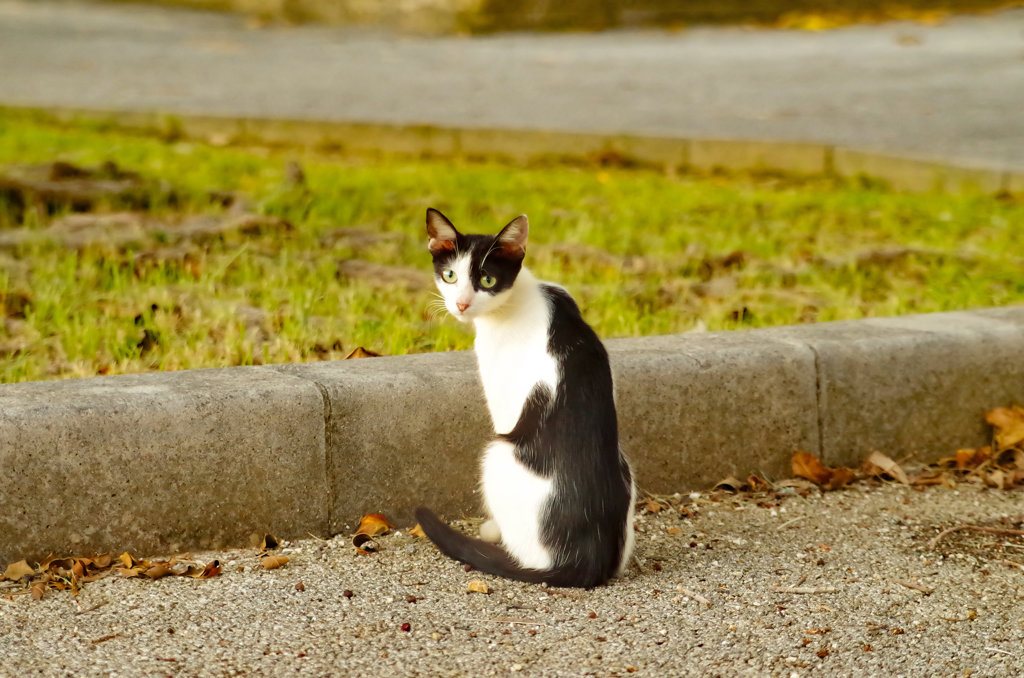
(128, 561)
(38, 588)
(651, 506)
(729, 484)
(971, 459)
(364, 544)
(211, 570)
(273, 562)
(269, 542)
(360, 352)
(888, 467)
(477, 586)
(1009, 424)
(158, 570)
(18, 570)
(373, 524)
(807, 466)
(417, 531)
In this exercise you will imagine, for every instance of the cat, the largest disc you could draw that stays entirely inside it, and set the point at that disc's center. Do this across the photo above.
(558, 489)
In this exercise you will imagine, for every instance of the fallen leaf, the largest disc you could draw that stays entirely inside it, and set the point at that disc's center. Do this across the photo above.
(651, 506)
(808, 466)
(211, 570)
(18, 570)
(971, 459)
(158, 570)
(360, 352)
(1009, 424)
(373, 524)
(269, 542)
(273, 562)
(729, 484)
(38, 588)
(417, 531)
(888, 467)
(477, 586)
(365, 544)
(127, 560)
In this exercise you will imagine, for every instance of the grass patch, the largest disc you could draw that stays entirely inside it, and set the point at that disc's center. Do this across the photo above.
(231, 261)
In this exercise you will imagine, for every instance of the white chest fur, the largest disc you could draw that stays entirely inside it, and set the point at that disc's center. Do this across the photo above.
(512, 351)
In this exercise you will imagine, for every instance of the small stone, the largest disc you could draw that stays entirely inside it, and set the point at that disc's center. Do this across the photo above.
(347, 593)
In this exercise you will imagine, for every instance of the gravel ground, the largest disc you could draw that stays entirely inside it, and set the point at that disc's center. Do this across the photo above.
(861, 556)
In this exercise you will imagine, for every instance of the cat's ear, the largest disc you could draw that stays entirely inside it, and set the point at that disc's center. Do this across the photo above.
(441, 232)
(512, 239)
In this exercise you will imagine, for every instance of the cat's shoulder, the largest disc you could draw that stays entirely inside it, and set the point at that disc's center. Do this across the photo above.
(559, 298)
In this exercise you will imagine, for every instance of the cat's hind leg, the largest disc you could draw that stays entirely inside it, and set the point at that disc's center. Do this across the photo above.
(516, 497)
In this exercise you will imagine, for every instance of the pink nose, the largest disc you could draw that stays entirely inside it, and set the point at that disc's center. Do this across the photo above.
(461, 306)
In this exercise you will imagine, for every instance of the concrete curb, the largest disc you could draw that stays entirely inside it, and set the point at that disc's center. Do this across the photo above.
(899, 172)
(179, 460)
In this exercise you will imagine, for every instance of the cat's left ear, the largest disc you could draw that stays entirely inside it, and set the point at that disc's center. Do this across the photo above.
(512, 239)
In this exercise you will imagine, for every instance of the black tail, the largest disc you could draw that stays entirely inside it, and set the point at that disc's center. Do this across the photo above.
(490, 558)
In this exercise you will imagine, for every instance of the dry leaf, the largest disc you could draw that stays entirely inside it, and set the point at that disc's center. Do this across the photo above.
(971, 459)
(269, 542)
(807, 466)
(889, 467)
(273, 562)
(365, 544)
(373, 524)
(729, 484)
(477, 586)
(158, 570)
(360, 352)
(417, 531)
(1009, 424)
(18, 570)
(651, 506)
(211, 570)
(38, 588)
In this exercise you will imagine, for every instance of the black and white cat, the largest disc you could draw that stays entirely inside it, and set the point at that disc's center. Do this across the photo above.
(558, 489)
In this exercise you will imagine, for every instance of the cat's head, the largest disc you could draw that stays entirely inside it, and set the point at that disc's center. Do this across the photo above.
(475, 272)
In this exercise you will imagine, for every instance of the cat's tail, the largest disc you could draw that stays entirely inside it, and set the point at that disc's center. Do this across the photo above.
(490, 558)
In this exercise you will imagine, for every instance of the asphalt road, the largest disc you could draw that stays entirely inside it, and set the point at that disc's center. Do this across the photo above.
(953, 91)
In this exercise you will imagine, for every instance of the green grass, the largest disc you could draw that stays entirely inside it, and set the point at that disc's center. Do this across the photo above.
(644, 253)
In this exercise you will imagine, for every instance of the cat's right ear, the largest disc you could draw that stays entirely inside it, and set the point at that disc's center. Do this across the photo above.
(441, 232)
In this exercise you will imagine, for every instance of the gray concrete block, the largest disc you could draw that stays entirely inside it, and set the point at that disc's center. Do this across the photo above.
(524, 145)
(738, 155)
(916, 385)
(911, 174)
(696, 408)
(159, 462)
(693, 409)
(402, 432)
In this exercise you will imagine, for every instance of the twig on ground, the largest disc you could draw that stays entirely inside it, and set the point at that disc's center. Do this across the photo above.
(910, 584)
(1012, 563)
(789, 522)
(975, 528)
(695, 596)
(92, 607)
(804, 589)
(510, 620)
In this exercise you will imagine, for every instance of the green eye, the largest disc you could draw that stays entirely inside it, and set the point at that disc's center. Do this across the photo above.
(488, 281)
(448, 275)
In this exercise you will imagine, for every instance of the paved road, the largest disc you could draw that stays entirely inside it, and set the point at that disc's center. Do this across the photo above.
(950, 91)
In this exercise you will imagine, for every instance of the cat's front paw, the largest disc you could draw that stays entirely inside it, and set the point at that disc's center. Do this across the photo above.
(490, 532)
